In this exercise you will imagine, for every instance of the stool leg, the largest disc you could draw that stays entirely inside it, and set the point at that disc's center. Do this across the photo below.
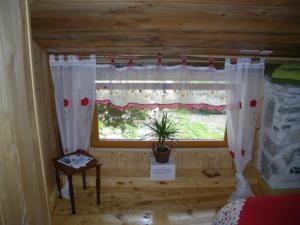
(84, 179)
(58, 181)
(98, 183)
(71, 190)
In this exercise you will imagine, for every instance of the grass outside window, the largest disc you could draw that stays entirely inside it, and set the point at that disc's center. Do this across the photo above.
(121, 129)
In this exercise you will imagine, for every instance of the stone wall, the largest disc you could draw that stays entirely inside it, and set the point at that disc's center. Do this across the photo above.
(279, 150)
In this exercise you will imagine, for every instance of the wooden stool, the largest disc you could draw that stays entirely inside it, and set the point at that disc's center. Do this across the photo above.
(69, 171)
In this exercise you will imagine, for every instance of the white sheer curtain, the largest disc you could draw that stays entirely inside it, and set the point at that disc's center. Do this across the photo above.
(74, 86)
(161, 86)
(243, 88)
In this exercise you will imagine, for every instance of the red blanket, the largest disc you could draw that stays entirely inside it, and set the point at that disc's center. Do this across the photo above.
(271, 210)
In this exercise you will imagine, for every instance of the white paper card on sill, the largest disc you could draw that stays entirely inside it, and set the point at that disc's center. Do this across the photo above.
(162, 171)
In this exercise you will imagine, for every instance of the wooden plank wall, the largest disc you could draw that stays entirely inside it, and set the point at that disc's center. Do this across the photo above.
(172, 27)
(135, 162)
(49, 133)
(23, 195)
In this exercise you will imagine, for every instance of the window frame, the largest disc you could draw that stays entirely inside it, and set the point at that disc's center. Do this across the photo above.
(96, 143)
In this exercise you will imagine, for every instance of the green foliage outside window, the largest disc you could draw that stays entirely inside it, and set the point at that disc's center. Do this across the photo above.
(130, 124)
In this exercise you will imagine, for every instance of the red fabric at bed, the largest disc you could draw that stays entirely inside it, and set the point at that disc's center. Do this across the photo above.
(271, 210)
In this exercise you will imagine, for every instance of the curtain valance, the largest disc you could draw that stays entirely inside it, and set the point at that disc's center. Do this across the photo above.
(161, 86)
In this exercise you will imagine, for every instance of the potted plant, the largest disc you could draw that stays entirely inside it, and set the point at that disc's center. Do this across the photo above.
(163, 129)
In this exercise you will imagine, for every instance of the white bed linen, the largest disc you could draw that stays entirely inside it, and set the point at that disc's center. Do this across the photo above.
(230, 213)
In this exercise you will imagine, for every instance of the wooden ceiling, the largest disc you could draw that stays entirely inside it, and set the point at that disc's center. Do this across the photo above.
(172, 27)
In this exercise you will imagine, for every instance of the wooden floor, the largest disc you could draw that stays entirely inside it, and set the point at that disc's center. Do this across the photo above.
(127, 201)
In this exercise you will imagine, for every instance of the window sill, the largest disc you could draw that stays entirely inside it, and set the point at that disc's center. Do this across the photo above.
(149, 144)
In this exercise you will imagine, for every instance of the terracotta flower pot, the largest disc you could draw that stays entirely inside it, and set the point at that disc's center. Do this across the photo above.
(162, 156)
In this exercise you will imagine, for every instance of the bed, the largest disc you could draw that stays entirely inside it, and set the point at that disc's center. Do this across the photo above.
(261, 210)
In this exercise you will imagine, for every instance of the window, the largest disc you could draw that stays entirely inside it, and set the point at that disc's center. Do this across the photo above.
(125, 105)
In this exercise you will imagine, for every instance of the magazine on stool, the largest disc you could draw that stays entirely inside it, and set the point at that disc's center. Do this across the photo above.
(76, 161)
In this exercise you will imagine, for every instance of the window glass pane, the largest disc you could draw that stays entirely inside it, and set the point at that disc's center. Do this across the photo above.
(130, 124)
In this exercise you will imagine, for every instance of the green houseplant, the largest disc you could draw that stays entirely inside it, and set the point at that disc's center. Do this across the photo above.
(163, 129)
